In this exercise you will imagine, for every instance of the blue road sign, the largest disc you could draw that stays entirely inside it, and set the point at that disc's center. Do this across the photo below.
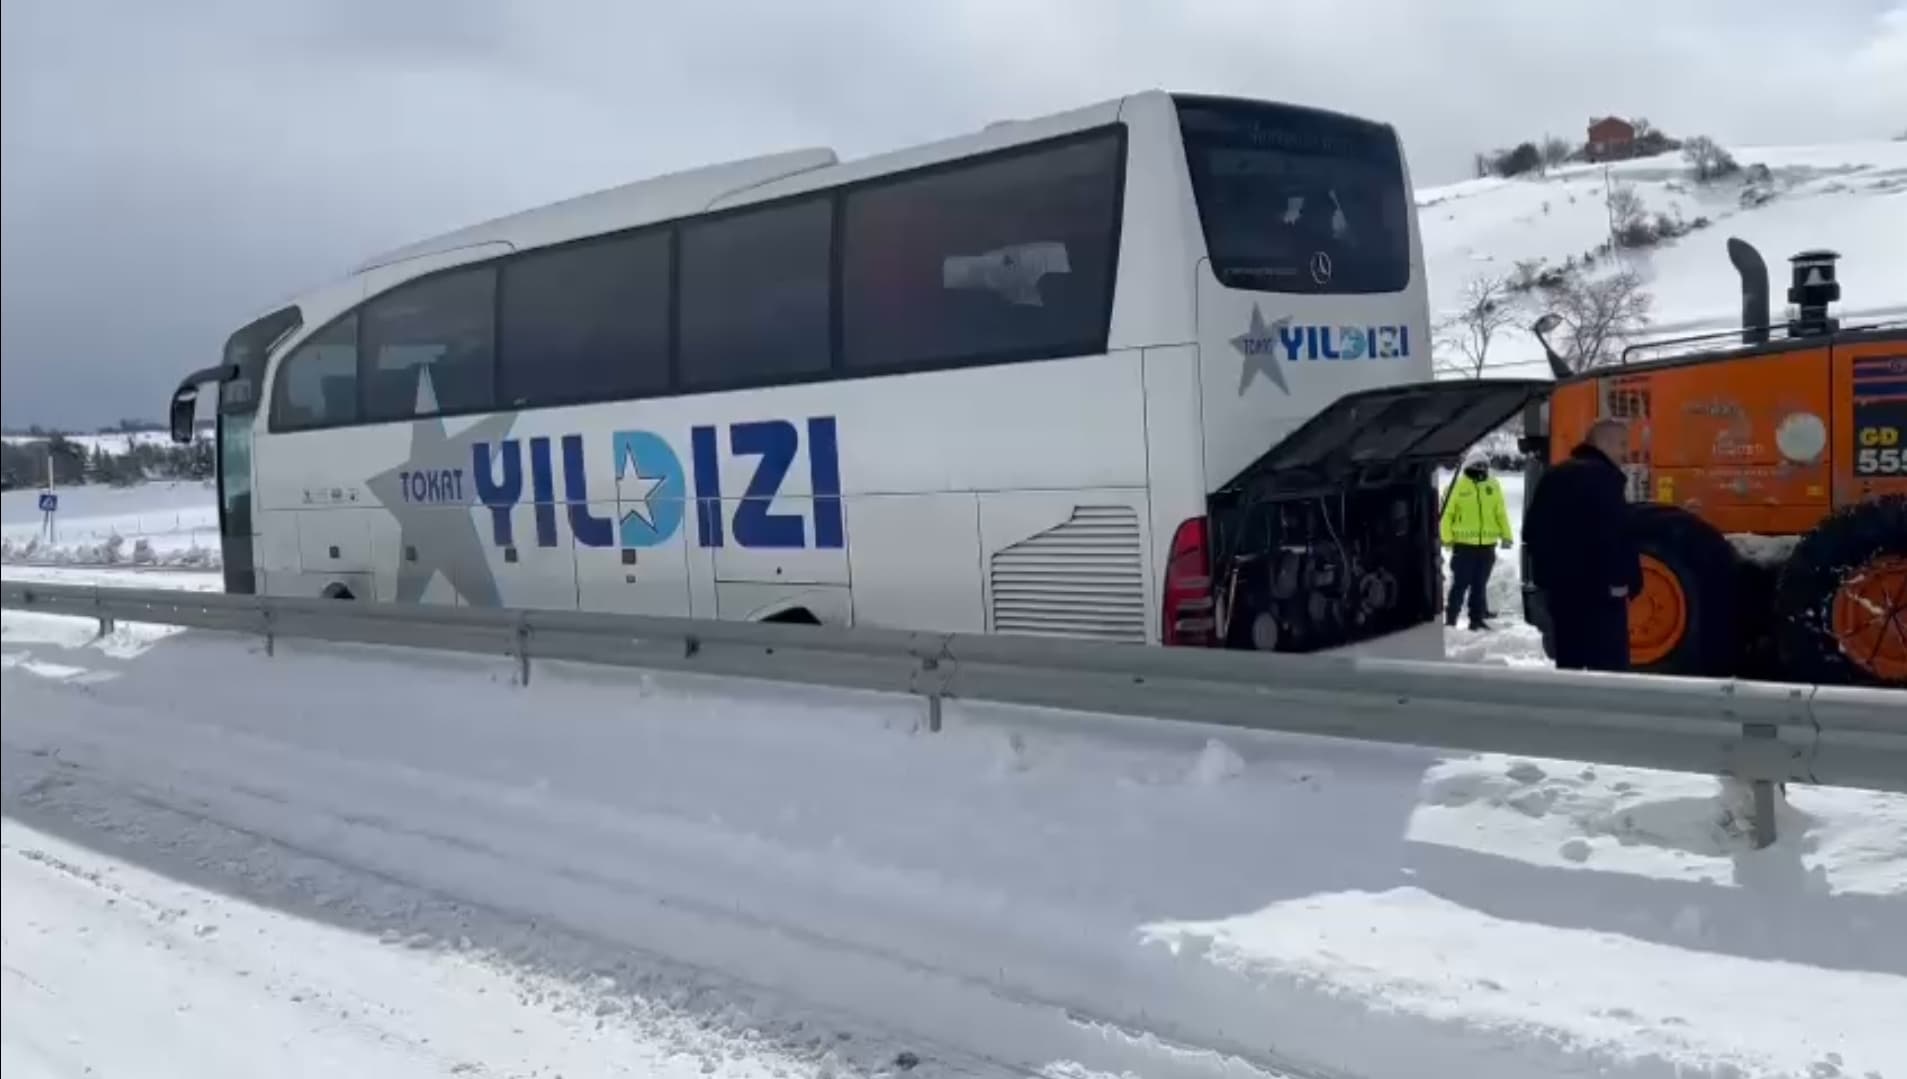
(49, 502)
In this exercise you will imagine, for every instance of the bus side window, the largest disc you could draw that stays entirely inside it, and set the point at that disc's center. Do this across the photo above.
(755, 295)
(317, 385)
(443, 324)
(1004, 258)
(586, 322)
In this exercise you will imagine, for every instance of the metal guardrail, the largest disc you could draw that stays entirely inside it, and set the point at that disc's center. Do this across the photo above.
(113, 567)
(1763, 733)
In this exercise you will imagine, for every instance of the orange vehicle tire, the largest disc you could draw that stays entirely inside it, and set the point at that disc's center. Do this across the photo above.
(1683, 620)
(1841, 604)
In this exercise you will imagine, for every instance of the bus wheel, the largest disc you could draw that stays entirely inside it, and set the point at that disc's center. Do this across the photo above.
(1841, 605)
(1682, 622)
(338, 591)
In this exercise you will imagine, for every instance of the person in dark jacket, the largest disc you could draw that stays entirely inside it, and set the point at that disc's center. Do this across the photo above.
(1582, 556)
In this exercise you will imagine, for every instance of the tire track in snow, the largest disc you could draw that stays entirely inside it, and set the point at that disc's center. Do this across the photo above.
(83, 797)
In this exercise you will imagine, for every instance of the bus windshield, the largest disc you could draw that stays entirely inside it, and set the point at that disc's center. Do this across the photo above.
(1296, 200)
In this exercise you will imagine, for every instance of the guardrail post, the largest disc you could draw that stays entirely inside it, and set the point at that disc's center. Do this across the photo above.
(270, 632)
(521, 649)
(105, 620)
(1764, 791)
(930, 666)
(1764, 813)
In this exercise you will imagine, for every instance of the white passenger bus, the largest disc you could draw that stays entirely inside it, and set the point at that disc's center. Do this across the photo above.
(1037, 379)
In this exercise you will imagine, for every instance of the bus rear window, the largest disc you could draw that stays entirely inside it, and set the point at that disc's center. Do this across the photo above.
(1296, 200)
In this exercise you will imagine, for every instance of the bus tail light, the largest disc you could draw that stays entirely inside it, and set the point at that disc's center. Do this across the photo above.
(1187, 606)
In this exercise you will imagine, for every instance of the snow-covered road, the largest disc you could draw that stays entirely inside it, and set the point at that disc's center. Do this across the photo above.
(811, 875)
(112, 970)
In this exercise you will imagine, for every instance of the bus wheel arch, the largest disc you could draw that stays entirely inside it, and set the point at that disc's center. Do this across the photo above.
(1683, 620)
(1841, 601)
(792, 615)
(337, 590)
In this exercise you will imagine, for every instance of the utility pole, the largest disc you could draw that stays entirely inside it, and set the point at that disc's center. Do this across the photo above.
(1609, 203)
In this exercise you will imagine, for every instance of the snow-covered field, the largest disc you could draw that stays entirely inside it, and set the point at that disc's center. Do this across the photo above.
(169, 523)
(1850, 198)
(820, 886)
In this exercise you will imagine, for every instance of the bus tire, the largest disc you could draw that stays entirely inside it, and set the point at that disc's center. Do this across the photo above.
(1841, 603)
(337, 591)
(1683, 620)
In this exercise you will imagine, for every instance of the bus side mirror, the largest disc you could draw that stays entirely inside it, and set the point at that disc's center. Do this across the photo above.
(1558, 367)
(184, 413)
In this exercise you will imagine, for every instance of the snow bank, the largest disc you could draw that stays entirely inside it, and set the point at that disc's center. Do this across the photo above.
(1644, 1004)
(1052, 893)
(1663, 826)
(111, 551)
(189, 580)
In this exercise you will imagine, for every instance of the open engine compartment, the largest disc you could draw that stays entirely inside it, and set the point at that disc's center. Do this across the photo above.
(1301, 573)
(1330, 537)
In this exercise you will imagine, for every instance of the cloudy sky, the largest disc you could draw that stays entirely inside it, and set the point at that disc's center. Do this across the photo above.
(171, 167)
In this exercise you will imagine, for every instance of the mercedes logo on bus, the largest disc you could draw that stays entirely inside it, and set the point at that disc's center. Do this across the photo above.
(1320, 267)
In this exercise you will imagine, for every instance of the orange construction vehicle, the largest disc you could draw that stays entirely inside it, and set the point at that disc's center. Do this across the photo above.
(1768, 483)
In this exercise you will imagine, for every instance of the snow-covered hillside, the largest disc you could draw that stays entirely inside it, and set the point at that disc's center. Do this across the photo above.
(1850, 198)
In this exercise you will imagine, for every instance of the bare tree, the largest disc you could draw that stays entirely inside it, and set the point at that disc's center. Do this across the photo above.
(1489, 305)
(1556, 151)
(1711, 162)
(1625, 205)
(1628, 217)
(1599, 316)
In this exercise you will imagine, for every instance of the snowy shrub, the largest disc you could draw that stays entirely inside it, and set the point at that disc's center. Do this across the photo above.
(1526, 158)
(1709, 160)
(1527, 272)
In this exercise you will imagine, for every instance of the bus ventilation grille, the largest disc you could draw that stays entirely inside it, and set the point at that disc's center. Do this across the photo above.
(1084, 578)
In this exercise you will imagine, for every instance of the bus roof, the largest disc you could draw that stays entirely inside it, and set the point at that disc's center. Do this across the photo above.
(734, 183)
(659, 198)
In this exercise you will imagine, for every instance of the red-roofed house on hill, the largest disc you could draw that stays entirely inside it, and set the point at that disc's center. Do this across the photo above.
(1611, 139)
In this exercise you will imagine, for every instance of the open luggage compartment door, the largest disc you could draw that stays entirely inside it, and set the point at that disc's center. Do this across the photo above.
(1379, 436)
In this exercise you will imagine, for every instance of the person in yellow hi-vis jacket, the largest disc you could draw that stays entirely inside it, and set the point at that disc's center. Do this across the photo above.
(1475, 523)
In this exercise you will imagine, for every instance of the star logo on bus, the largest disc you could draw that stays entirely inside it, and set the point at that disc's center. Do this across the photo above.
(1260, 347)
(650, 489)
(439, 538)
(635, 492)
